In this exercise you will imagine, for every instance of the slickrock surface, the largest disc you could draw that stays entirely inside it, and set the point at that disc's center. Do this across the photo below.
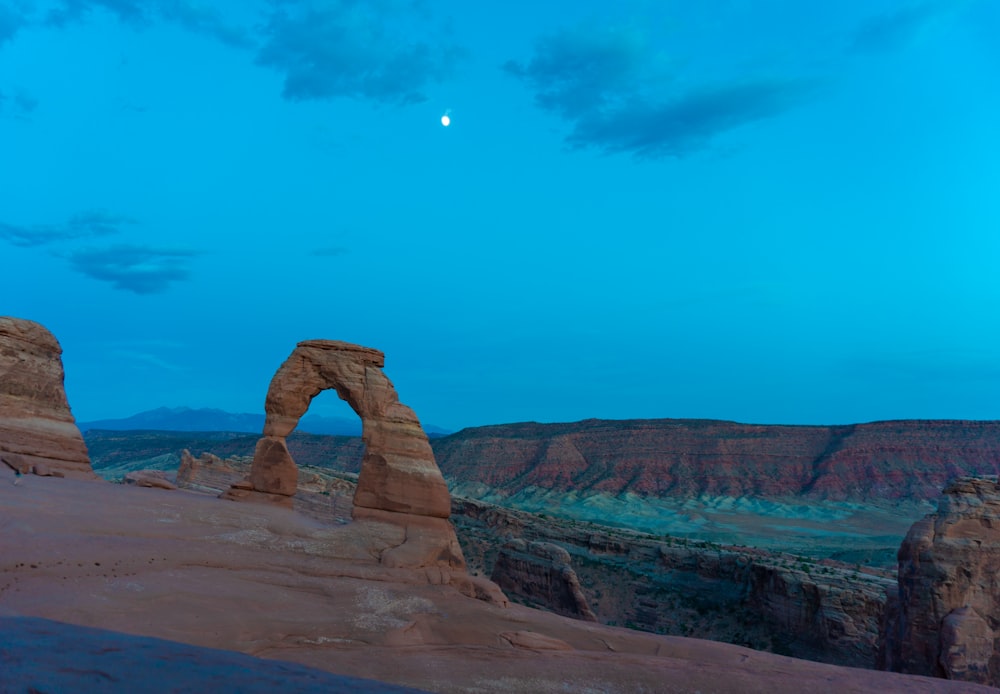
(907, 460)
(37, 430)
(947, 619)
(399, 489)
(266, 581)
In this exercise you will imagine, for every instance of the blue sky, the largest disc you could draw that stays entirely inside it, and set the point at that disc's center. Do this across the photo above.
(774, 211)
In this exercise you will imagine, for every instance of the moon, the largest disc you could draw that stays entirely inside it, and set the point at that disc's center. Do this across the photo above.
(446, 120)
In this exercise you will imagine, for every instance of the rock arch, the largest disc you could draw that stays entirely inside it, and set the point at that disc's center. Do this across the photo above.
(398, 471)
(402, 503)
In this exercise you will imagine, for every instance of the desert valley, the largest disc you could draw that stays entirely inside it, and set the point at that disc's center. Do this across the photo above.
(596, 556)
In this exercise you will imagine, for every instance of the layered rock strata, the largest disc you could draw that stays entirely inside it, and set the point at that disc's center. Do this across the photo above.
(946, 619)
(400, 490)
(905, 460)
(37, 430)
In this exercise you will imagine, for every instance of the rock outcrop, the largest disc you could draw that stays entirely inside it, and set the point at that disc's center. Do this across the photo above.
(400, 490)
(37, 430)
(946, 619)
(541, 573)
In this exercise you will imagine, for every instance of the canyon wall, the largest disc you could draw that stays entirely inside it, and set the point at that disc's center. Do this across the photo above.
(911, 460)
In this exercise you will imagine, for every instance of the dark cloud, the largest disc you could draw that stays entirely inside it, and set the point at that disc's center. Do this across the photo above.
(133, 268)
(685, 124)
(609, 85)
(347, 48)
(575, 73)
(893, 30)
(83, 225)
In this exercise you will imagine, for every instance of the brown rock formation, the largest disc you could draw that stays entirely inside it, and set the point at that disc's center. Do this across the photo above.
(542, 574)
(946, 622)
(37, 429)
(400, 491)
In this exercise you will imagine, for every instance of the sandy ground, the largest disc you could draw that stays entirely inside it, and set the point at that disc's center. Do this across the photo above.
(274, 584)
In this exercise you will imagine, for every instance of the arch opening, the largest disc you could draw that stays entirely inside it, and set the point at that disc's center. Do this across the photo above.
(398, 472)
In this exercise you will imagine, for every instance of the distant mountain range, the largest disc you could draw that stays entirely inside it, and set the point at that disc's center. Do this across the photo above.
(211, 419)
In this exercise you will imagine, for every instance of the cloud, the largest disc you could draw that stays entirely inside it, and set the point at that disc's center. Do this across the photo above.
(133, 268)
(619, 96)
(148, 359)
(361, 50)
(197, 18)
(70, 11)
(21, 104)
(193, 16)
(82, 225)
(11, 21)
(894, 30)
(687, 123)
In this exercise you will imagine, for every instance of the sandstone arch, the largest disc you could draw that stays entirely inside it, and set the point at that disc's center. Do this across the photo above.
(401, 495)
(398, 472)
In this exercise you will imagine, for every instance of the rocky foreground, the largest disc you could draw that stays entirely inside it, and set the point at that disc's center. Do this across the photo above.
(269, 582)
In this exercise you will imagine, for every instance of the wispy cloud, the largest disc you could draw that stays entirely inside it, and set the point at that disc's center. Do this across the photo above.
(618, 96)
(345, 48)
(137, 269)
(195, 16)
(81, 226)
(20, 104)
(894, 30)
(202, 19)
(69, 11)
(12, 19)
(148, 359)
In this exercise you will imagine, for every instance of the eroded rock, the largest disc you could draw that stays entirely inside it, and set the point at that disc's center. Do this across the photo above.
(401, 495)
(541, 573)
(37, 429)
(946, 622)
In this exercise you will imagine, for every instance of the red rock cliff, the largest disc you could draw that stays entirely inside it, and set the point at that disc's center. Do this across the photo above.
(668, 457)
